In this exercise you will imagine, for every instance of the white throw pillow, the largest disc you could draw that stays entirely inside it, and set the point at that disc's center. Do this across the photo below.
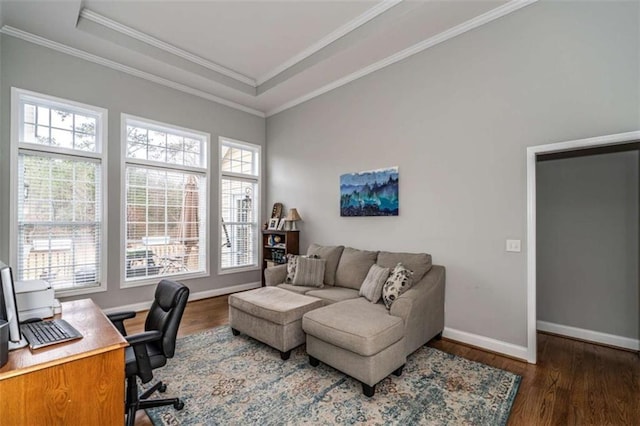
(398, 282)
(372, 285)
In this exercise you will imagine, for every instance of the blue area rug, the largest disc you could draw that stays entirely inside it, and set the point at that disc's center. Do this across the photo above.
(225, 379)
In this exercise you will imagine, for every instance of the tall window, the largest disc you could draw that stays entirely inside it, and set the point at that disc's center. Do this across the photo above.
(165, 186)
(59, 190)
(239, 205)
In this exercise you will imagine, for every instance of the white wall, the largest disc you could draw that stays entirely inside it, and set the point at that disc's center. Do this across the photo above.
(587, 243)
(42, 70)
(457, 119)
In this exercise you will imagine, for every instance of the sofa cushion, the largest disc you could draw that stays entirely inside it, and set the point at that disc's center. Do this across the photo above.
(300, 289)
(398, 282)
(332, 255)
(356, 325)
(310, 272)
(419, 263)
(274, 304)
(353, 267)
(372, 285)
(333, 294)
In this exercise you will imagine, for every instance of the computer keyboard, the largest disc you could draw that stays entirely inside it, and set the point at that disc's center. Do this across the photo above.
(44, 333)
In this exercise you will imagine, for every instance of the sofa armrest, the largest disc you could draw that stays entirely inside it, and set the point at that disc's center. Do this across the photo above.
(422, 309)
(275, 275)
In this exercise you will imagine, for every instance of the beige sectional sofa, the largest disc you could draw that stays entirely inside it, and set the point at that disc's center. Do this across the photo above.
(362, 339)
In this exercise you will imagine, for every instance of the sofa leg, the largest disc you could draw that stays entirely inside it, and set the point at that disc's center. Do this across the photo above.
(438, 336)
(398, 371)
(368, 391)
(285, 355)
(313, 361)
(235, 332)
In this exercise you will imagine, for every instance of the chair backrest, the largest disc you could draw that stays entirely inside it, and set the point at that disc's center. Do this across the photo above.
(166, 312)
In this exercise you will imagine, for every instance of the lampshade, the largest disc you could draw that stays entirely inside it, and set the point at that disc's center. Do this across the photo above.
(293, 215)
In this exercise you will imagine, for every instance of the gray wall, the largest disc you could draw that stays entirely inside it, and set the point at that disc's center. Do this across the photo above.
(588, 242)
(35, 68)
(457, 119)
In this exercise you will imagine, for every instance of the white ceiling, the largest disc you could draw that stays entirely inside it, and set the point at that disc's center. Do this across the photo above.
(259, 56)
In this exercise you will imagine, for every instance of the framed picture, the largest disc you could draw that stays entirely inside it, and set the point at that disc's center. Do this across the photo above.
(281, 224)
(369, 193)
(273, 223)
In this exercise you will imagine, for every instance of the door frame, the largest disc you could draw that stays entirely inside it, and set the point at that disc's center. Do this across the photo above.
(532, 153)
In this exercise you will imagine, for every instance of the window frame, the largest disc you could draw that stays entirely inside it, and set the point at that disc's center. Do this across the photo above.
(257, 180)
(99, 156)
(129, 119)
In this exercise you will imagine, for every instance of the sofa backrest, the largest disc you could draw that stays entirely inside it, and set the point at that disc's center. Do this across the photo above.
(353, 267)
(419, 263)
(332, 256)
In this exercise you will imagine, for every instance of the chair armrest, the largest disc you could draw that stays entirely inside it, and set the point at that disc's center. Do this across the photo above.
(144, 337)
(275, 275)
(422, 309)
(117, 318)
(139, 343)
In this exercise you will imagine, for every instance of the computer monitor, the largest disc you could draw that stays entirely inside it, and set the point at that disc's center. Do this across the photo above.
(9, 308)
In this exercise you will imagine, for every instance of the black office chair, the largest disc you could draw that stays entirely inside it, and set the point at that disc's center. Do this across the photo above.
(149, 350)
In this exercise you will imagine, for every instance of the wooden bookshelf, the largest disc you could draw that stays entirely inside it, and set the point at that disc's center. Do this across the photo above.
(276, 245)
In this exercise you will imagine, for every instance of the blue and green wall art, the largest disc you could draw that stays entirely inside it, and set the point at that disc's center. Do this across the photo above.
(369, 193)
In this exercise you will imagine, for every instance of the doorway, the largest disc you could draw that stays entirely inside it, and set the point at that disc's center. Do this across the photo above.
(532, 154)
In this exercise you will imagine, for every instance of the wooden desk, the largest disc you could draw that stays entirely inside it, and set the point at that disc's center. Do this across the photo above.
(74, 383)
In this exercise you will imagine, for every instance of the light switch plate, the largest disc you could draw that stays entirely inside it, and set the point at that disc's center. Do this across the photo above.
(513, 245)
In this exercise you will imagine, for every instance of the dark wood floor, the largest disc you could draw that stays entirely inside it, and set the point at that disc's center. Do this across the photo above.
(573, 383)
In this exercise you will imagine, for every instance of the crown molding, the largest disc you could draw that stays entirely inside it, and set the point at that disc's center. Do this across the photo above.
(469, 25)
(169, 48)
(72, 51)
(350, 26)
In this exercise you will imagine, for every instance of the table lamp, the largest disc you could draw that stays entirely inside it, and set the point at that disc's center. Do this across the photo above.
(293, 217)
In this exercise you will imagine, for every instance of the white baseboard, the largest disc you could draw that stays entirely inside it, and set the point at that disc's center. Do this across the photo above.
(589, 335)
(487, 343)
(143, 306)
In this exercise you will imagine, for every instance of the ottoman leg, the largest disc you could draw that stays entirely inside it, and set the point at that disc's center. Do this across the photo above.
(398, 371)
(367, 390)
(285, 355)
(235, 332)
(313, 361)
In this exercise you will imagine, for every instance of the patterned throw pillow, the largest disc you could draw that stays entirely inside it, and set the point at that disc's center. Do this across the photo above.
(292, 265)
(398, 282)
(372, 285)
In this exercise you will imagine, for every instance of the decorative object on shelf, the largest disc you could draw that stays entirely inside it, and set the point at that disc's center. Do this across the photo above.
(276, 211)
(273, 224)
(281, 224)
(369, 193)
(293, 217)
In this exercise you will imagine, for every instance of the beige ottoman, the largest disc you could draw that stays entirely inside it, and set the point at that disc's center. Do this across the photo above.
(358, 338)
(271, 315)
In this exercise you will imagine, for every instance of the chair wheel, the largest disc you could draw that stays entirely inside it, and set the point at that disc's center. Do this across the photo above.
(178, 405)
(162, 388)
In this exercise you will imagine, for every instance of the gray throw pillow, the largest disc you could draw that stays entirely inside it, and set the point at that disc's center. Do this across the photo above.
(372, 285)
(398, 282)
(292, 265)
(309, 272)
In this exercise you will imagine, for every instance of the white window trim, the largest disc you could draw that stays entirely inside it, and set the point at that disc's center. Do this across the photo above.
(145, 122)
(258, 197)
(101, 146)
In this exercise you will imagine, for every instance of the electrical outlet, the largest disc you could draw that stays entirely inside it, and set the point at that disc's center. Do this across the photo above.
(513, 245)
